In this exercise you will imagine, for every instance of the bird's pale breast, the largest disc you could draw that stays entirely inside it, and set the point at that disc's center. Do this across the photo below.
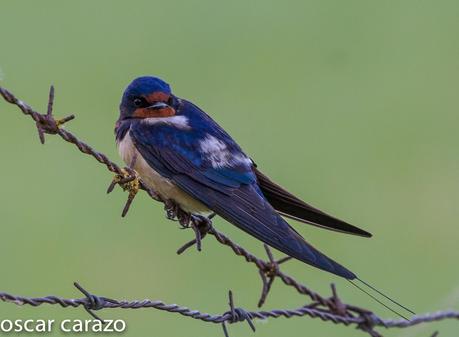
(163, 186)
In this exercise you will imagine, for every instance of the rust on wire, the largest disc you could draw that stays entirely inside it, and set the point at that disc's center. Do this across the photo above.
(330, 309)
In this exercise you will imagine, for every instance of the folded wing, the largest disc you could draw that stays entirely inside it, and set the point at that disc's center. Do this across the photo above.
(230, 191)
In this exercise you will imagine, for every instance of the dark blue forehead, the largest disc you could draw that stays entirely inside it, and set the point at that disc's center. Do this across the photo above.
(146, 85)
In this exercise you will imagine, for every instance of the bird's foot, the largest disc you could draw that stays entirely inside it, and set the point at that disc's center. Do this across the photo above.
(175, 213)
(129, 181)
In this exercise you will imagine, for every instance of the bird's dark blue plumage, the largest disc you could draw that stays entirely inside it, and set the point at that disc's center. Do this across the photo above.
(181, 147)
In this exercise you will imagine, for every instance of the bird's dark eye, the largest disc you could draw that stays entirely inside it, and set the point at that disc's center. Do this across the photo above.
(139, 101)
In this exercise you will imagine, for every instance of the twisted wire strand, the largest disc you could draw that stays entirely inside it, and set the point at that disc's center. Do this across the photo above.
(105, 303)
(66, 135)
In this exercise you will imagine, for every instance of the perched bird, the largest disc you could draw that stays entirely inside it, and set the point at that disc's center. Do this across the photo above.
(185, 156)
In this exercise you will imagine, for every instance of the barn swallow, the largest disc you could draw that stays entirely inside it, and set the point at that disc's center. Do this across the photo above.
(185, 156)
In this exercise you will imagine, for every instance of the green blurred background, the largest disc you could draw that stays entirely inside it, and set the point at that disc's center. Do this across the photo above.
(352, 105)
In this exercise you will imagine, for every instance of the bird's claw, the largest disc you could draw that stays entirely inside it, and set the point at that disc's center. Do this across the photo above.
(175, 213)
(172, 210)
(129, 181)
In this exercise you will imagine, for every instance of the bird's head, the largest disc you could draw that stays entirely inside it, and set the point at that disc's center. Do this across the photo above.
(146, 97)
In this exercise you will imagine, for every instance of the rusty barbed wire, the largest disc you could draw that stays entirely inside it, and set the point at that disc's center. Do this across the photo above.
(325, 308)
(47, 124)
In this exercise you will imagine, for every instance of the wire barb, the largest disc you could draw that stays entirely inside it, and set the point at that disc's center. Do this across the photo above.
(93, 302)
(46, 123)
(236, 315)
(340, 307)
(269, 273)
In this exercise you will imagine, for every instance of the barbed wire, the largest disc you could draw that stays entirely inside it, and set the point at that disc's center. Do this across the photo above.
(92, 302)
(330, 309)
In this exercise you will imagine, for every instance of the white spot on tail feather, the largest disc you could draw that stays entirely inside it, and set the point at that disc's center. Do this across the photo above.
(218, 154)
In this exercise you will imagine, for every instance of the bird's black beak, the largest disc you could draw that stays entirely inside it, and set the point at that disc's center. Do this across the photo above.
(158, 106)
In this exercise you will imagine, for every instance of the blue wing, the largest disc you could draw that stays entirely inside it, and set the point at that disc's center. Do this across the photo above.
(230, 190)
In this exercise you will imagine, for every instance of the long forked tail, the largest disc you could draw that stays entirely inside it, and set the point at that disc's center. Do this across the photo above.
(366, 284)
